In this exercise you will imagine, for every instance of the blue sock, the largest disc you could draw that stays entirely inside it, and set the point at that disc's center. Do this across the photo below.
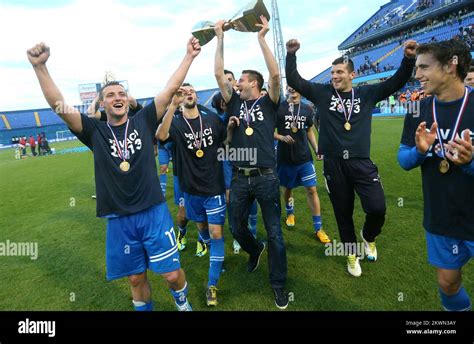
(204, 236)
(253, 217)
(216, 259)
(141, 306)
(182, 230)
(457, 302)
(163, 182)
(180, 296)
(317, 223)
(290, 209)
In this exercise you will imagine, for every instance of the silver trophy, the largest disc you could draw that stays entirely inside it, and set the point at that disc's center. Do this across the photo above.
(243, 21)
(108, 77)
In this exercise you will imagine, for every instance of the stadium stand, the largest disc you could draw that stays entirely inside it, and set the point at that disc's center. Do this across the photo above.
(376, 48)
(24, 123)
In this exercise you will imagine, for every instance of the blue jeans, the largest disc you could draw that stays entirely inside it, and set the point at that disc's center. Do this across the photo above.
(266, 189)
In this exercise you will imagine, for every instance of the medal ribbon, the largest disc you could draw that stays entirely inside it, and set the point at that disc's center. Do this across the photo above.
(197, 141)
(347, 116)
(294, 120)
(119, 150)
(248, 113)
(458, 121)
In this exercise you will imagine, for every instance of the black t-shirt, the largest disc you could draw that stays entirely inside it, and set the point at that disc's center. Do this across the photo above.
(131, 112)
(316, 119)
(124, 193)
(448, 204)
(334, 140)
(302, 117)
(263, 117)
(199, 176)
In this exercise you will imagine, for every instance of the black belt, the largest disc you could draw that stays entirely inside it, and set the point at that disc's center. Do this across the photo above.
(252, 172)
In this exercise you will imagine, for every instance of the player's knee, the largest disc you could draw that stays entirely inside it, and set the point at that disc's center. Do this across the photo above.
(215, 232)
(311, 191)
(163, 169)
(449, 287)
(377, 209)
(172, 277)
(136, 281)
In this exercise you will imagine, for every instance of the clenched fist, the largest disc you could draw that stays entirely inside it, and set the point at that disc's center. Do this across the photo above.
(292, 46)
(410, 49)
(39, 54)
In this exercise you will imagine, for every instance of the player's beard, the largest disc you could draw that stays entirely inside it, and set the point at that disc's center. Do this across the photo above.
(190, 105)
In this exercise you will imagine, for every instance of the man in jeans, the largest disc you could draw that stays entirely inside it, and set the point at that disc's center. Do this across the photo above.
(251, 128)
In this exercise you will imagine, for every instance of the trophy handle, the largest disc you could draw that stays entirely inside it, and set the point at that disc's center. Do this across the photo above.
(204, 32)
(243, 21)
(228, 26)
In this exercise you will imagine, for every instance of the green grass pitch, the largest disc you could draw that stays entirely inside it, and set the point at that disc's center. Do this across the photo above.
(48, 200)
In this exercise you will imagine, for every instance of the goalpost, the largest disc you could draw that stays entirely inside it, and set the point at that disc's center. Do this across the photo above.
(64, 135)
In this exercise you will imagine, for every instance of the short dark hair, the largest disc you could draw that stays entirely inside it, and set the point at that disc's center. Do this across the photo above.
(445, 51)
(110, 83)
(471, 68)
(187, 84)
(344, 60)
(216, 102)
(255, 76)
(226, 71)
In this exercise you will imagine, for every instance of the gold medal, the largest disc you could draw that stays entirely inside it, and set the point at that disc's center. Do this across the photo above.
(294, 130)
(199, 153)
(444, 166)
(348, 126)
(125, 166)
(249, 131)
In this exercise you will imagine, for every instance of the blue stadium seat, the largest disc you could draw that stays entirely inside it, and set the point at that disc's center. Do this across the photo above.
(21, 119)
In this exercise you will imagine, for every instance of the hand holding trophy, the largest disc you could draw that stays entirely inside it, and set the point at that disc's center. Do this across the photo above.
(244, 21)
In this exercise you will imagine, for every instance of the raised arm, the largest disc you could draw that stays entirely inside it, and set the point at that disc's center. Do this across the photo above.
(224, 85)
(401, 77)
(163, 99)
(306, 88)
(163, 132)
(132, 101)
(38, 55)
(93, 109)
(270, 61)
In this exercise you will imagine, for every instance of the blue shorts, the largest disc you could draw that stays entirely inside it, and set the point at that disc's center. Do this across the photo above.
(140, 241)
(227, 174)
(448, 253)
(178, 194)
(202, 209)
(292, 176)
(164, 154)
